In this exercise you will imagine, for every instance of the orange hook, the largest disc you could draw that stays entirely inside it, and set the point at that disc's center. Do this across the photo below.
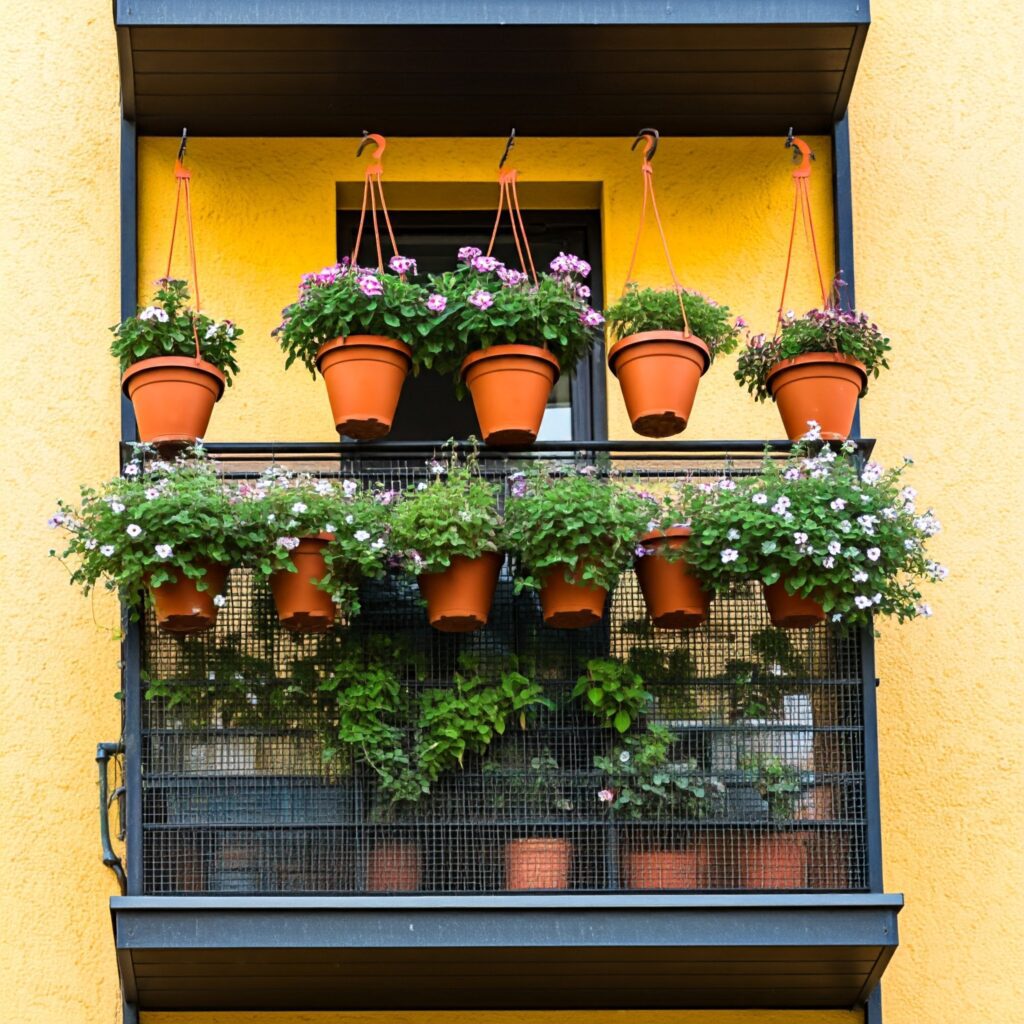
(804, 170)
(652, 136)
(376, 166)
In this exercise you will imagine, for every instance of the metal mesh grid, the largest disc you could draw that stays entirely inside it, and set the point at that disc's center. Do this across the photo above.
(237, 797)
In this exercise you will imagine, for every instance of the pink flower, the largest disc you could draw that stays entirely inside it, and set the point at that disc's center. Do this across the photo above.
(606, 796)
(511, 277)
(565, 263)
(437, 303)
(402, 265)
(370, 286)
(485, 264)
(591, 318)
(481, 299)
(468, 252)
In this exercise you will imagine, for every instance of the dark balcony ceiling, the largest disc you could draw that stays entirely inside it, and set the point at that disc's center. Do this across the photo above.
(509, 952)
(455, 68)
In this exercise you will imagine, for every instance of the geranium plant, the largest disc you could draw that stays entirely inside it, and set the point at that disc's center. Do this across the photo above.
(169, 327)
(848, 536)
(575, 520)
(657, 309)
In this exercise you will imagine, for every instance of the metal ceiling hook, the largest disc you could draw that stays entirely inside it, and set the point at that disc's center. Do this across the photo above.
(792, 142)
(508, 148)
(376, 167)
(652, 136)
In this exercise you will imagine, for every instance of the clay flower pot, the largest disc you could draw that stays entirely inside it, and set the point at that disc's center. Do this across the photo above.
(364, 374)
(510, 385)
(459, 599)
(394, 867)
(566, 604)
(182, 608)
(173, 398)
(789, 611)
(674, 597)
(774, 861)
(819, 386)
(537, 863)
(658, 372)
(665, 869)
(301, 605)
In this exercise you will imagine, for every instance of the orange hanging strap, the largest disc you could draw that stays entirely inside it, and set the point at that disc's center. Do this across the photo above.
(183, 177)
(373, 190)
(801, 206)
(508, 195)
(647, 170)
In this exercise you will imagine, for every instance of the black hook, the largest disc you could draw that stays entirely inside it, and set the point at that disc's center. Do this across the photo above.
(184, 143)
(366, 141)
(789, 145)
(652, 136)
(508, 148)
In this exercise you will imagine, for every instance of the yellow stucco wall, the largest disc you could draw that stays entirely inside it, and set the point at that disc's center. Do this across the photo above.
(938, 228)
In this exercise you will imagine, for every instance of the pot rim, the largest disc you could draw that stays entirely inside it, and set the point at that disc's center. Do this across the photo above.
(366, 340)
(642, 337)
(808, 358)
(166, 362)
(673, 532)
(517, 349)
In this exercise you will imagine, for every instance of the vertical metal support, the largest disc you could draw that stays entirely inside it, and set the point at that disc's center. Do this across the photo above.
(129, 251)
(129, 1012)
(873, 838)
(842, 205)
(873, 1007)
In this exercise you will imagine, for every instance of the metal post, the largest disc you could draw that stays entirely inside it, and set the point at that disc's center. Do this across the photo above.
(873, 1007)
(842, 204)
(129, 251)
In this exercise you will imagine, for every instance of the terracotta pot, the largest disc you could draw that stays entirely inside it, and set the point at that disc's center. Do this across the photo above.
(774, 861)
(537, 863)
(659, 372)
(665, 869)
(394, 867)
(789, 611)
(364, 374)
(459, 599)
(674, 597)
(173, 398)
(510, 385)
(181, 608)
(570, 605)
(819, 386)
(301, 605)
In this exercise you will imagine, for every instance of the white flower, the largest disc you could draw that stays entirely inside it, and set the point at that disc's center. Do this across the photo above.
(465, 515)
(132, 469)
(775, 669)
(330, 528)
(834, 547)
(838, 505)
(606, 796)
(349, 488)
(927, 524)
(377, 544)
(299, 507)
(211, 332)
(760, 498)
(154, 313)
(220, 600)
(133, 530)
(271, 518)
(152, 492)
(829, 562)
(624, 757)
(733, 534)
(799, 538)
(874, 554)
(793, 473)
(813, 431)
(729, 555)
(421, 486)
(826, 455)
(323, 487)
(936, 571)
(867, 523)
(837, 617)
(361, 535)
(872, 473)
(117, 507)
(726, 484)
(877, 599)
(910, 543)
(435, 467)
(164, 551)
(90, 544)
(860, 576)
(890, 513)
(350, 519)
(107, 550)
(846, 526)
(924, 610)
(862, 602)
(288, 543)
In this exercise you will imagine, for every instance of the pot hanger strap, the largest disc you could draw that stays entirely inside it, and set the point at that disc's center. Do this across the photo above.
(183, 177)
(801, 205)
(647, 173)
(508, 195)
(373, 190)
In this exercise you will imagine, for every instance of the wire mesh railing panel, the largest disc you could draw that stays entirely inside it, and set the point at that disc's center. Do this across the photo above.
(246, 788)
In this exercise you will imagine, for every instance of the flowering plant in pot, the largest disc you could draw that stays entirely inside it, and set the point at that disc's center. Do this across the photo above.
(816, 368)
(506, 338)
(163, 532)
(659, 355)
(447, 533)
(175, 364)
(643, 784)
(824, 535)
(361, 328)
(314, 540)
(573, 532)
(775, 859)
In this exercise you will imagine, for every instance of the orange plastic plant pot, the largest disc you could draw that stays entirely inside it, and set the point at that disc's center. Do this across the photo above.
(774, 861)
(658, 373)
(674, 597)
(459, 598)
(510, 385)
(394, 867)
(819, 386)
(788, 611)
(537, 863)
(182, 608)
(364, 374)
(665, 869)
(570, 605)
(301, 605)
(173, 398)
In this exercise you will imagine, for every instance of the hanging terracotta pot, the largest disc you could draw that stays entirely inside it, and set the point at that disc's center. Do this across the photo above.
(674, 597)
(394, 867)
(777, 860)
(301, 605)
(658, 372)
(570, 604)
(173, 398)
(182, 608)
(789, 611)
(510, 385)
(459, 598)
(665, 869)
(537, 863)
(364, 374)
(819, 386)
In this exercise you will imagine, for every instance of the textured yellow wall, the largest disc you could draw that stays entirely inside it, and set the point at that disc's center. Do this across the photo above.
(936, 188)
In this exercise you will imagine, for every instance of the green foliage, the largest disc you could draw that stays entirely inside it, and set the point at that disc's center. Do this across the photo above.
(658, 666)
(640, 781)
(657, 309)
(777, 782)
(525, 783)
(455, 514)
(165, 328)
(574, 520)
(848, 537)
(614, 693)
